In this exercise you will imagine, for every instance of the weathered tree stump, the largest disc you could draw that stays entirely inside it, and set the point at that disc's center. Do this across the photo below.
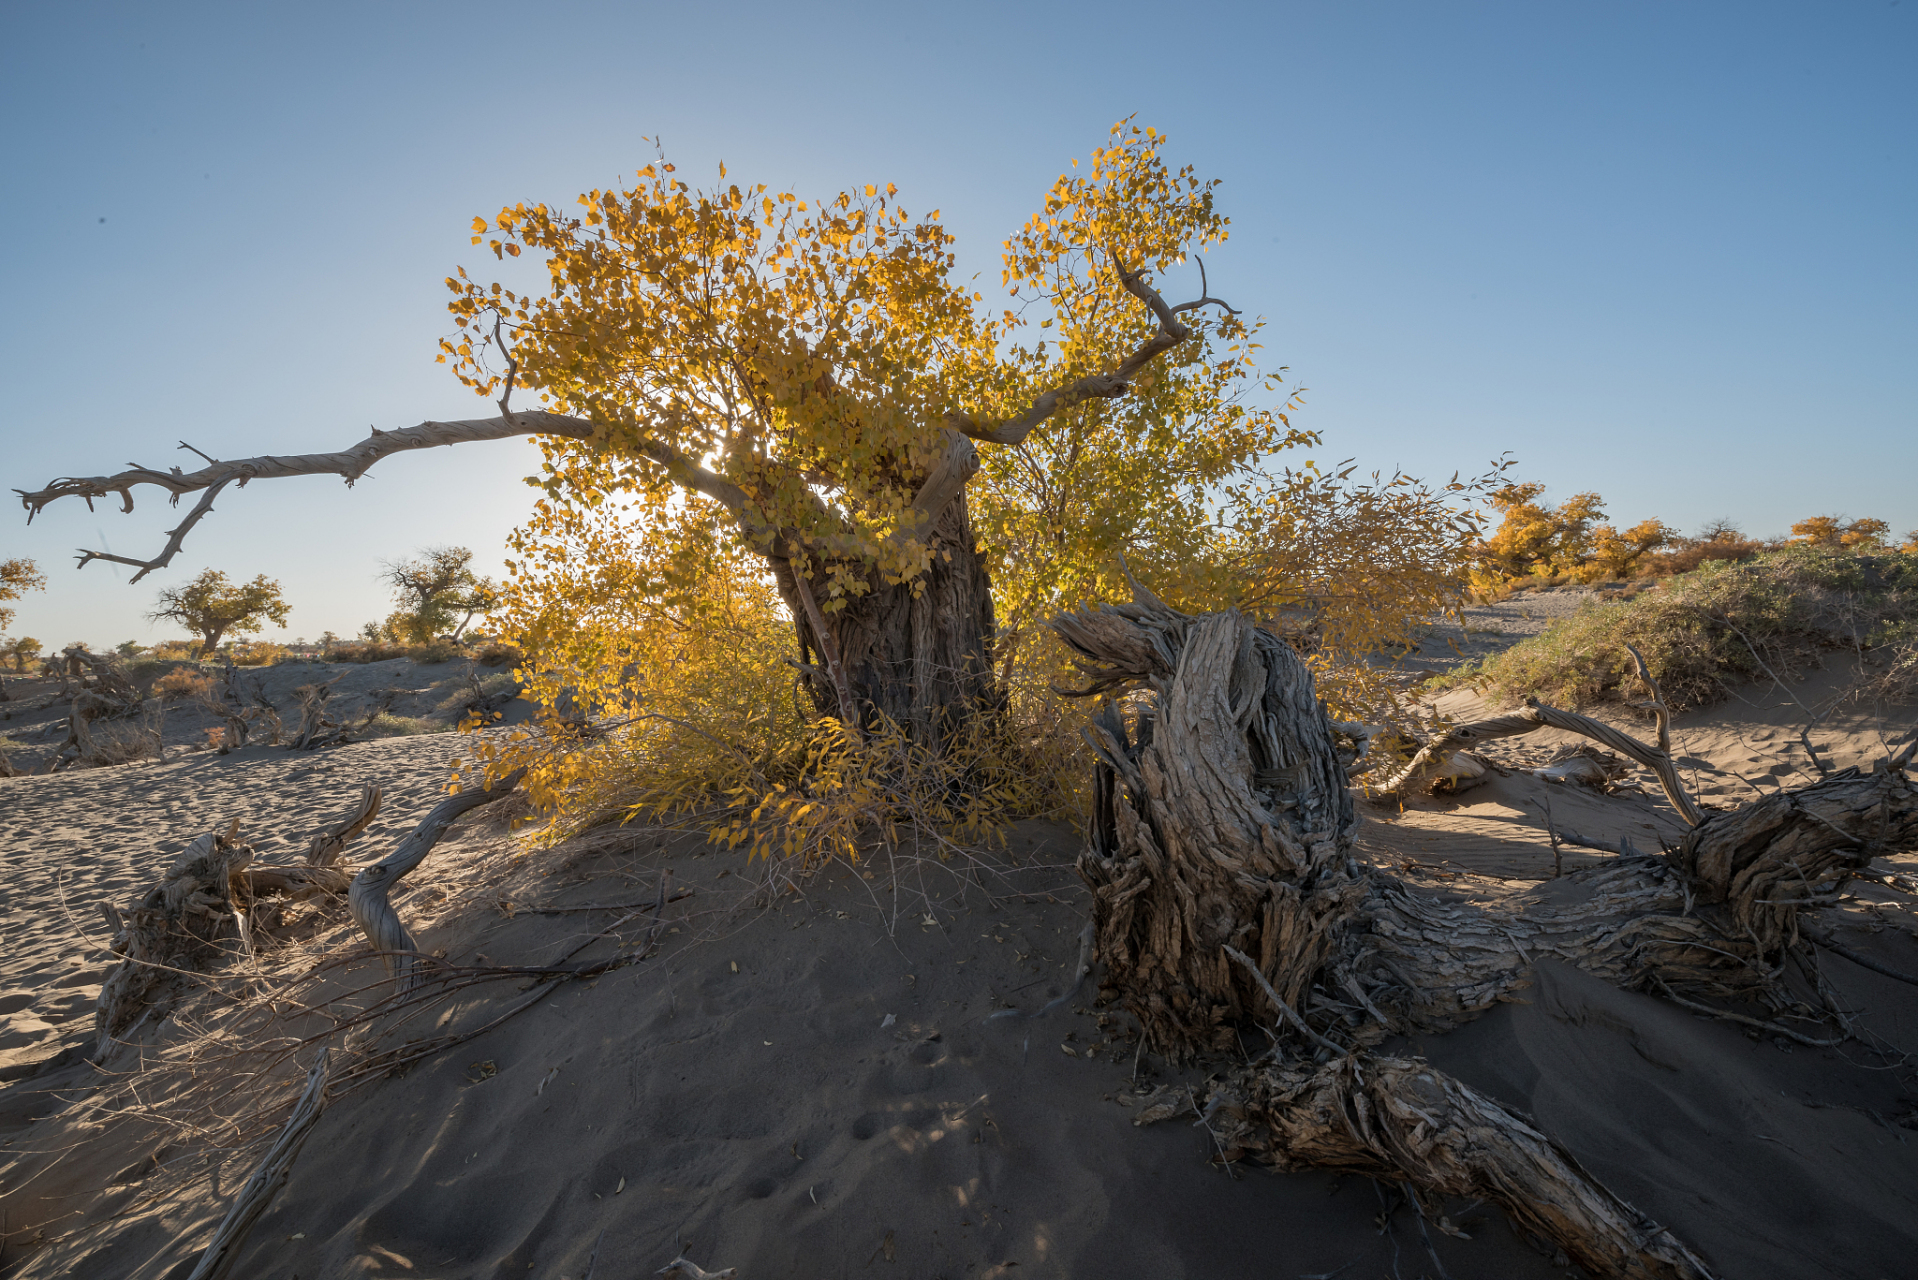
(212, 898)
(1223, 827)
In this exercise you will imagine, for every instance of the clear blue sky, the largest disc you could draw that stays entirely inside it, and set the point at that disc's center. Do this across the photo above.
(1665, 251)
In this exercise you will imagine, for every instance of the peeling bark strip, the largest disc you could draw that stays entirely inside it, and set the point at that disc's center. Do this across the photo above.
(1222, 825)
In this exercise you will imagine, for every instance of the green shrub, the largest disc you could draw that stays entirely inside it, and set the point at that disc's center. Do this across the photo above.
(1698, 630)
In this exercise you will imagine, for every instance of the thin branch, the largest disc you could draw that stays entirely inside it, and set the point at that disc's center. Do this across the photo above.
(1804, 734)
(1836, 947)
(1095, 386)
(829, 650)
(512, 367)
(1729, 1016)
(351, 464)
(1284, 1008)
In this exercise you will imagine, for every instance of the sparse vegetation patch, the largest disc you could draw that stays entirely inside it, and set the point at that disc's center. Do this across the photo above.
(1722, 623)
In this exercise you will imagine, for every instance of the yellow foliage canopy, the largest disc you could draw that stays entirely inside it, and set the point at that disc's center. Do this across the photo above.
(776, 382)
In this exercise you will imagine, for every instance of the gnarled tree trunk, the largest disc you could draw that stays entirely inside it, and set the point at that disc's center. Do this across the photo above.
(917, 654)
(1224, 885)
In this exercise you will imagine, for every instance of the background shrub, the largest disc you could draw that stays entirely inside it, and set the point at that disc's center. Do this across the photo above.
(182, 684)
(1700, 631)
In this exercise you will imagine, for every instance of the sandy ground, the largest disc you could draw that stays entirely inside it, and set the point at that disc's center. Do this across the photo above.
(410, 697)
(815, 1084)
(1481, 630)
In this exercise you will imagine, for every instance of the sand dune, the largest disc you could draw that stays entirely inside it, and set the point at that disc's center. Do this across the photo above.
(816, 1084)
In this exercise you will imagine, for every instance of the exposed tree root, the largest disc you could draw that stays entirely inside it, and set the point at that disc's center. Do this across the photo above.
(367, 896)
(1222, 824)
(1398, 1119)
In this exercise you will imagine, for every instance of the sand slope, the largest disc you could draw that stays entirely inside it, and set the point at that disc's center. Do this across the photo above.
(815, 1085)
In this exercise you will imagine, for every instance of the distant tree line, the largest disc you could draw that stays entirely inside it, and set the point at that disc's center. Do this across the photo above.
(1542, 544)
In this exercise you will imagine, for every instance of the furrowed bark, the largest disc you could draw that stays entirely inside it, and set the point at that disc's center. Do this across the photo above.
(1399, 1120)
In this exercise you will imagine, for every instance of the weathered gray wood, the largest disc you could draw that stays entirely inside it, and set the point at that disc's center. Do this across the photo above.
(1399, 1120)
(1222, 826)
(180, 926)
(229, 1238)
(368, 895)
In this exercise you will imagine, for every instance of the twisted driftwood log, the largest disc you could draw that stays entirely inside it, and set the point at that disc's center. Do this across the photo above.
(1222, 825)
(1432, 758)
(181, 925)
(101, 691)
(368, 895)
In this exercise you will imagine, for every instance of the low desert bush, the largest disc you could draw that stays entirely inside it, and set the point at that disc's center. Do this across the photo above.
(258, 653)
(434, 651)
(1723, 622)
(382, 651)
(498, 653)
(388, 725)
(183, 684)
(173, 651)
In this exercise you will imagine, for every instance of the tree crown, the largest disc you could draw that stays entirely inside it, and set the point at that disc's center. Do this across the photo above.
(17, 577)
(210, 605)
(810, 366)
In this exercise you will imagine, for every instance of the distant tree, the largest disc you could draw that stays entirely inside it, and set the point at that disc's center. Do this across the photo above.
(372, 632)
(1617, 554)
(211, 607)
(328, 639)
(1537, 538)
(482, 597)
(22, 649)
(127, 648)
(1722, 529)
(429, 588)
(17, 577)
(1835, 533)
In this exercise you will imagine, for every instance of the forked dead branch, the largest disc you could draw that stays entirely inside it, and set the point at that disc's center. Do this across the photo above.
(1223, 825)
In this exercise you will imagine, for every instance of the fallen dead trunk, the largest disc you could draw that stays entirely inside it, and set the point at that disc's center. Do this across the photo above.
(1222, 822)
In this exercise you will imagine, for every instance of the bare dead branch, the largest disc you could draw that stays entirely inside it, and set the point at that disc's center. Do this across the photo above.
(1095, 386)
(1535, 716)
(368, 894)
(351, 464)
(325, 848)
(254, 1198)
